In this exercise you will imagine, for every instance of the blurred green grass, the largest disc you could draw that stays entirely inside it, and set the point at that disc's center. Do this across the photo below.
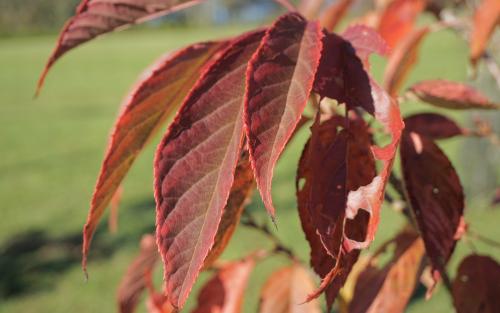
(51, 149)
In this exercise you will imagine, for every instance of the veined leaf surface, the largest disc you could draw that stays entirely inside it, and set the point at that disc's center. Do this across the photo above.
(152, 101)
(195, 165)
(280, 77)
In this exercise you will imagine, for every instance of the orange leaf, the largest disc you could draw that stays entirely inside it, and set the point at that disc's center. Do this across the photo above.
(224, 292)
(388, 289)
(398, 19)
(285, 291)
(113, 212)
(154, 99)
(402, 60)
(486, 18)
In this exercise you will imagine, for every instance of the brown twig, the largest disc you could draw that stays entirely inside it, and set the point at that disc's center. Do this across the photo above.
(249, 221)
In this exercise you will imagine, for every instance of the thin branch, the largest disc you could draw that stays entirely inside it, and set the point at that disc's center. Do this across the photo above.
(249, 221)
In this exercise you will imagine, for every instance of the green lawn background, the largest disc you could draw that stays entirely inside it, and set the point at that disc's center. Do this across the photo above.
(51, 149)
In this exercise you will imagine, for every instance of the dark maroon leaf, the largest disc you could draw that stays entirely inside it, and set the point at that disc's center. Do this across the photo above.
(433, 126)
(477, 285)
(195, 165)
(333, 164)
(435, 194)
(279, 80)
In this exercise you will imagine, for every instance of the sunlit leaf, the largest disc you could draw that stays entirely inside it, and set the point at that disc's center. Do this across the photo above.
(402, 60)
(279, 80)
(97, 17)
(398, 20)
(155, 98)
(285, 291)
(486, 18)
(195, 165)
(224, 292)
(389, 288)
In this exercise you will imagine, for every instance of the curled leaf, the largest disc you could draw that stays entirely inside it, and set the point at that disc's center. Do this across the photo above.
(195, 165)
(435, 195)
(97, 17)
(285, 291)
(486, 18)
(398, 20)
(402, 60)
(433, 126)
(279, 80)
(451, 95)
(332, 164)
(134, 281)
(476, 286)
(155, 98)
(388, 289)
(224, 292)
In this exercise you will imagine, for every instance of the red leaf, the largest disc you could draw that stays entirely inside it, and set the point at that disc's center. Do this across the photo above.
(366, 41)
(134, 281)
(279, 80)
(433, 126)
(435, 195)
(241, 191)
(402, 60)
(224, 292)
(398, 20)
(451, 95)
(114, 208)
(195, 165)
(151, 102)
(97, 17)
(486, 18)
(286, 289)
(388, 289)
(334, 14)
(476, 286)
(496, 198)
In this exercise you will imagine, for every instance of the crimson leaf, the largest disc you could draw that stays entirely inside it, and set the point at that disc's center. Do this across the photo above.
(195, 165)
(97, 17)
(279, 80)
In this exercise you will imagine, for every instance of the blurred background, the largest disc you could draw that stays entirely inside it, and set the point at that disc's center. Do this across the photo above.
(51, 150)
